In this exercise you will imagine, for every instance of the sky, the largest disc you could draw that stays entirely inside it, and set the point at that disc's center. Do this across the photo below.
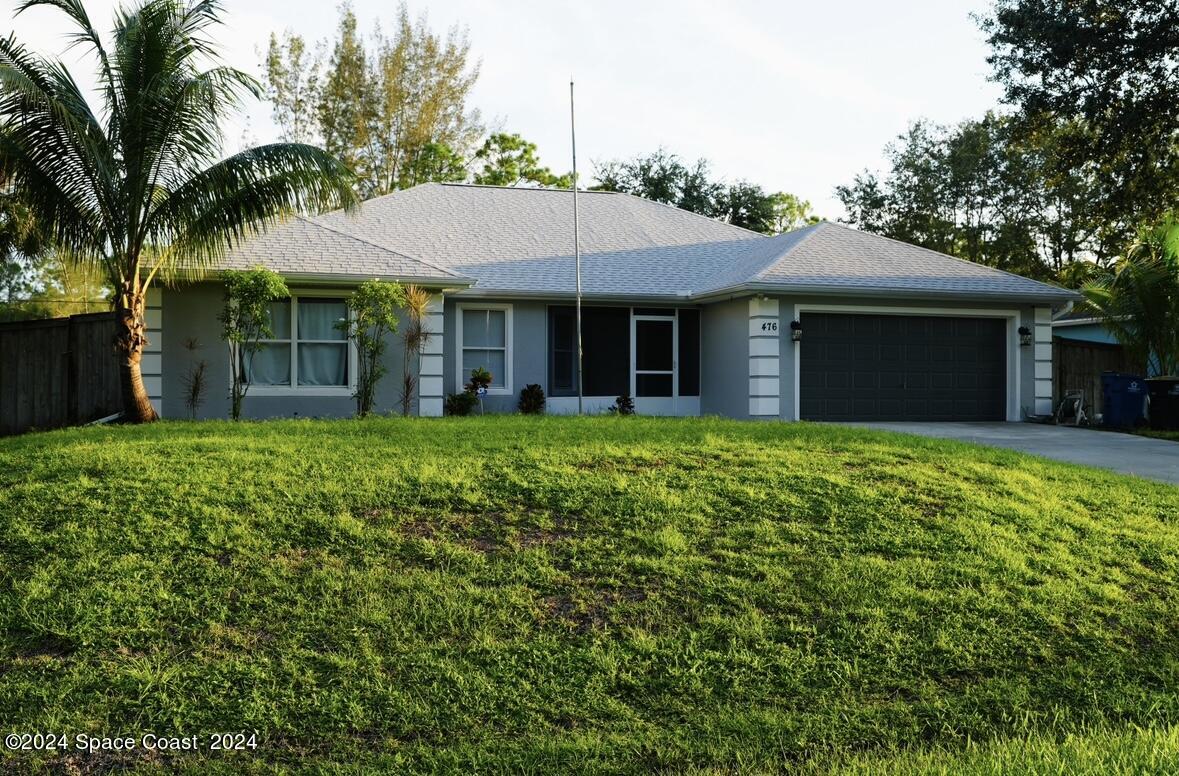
(792, 96)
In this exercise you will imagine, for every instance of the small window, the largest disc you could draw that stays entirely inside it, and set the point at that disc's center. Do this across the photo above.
(306, 349)
(322, 348)
(271, 363)
(484, 337)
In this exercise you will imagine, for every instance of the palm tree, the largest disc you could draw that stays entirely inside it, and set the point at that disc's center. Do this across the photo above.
(140, 188)
(1137, 299)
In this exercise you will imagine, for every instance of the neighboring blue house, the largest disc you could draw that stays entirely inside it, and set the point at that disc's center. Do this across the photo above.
(1083, 327)
(688, 315)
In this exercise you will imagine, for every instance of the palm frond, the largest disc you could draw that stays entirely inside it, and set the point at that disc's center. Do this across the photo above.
(52, 148)
(1137, 299)
(147, 187)
(85, 35)
(236, 198)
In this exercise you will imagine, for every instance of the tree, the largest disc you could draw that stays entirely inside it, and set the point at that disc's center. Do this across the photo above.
(510, 160)
(344, 103)
(22, 255)
(661, 177)
(372, 317)
(790, 213)
(136, 188)
(245, 319)
(1107, 70)
(1137, 299)
(393, 106)
(747, 205)
(436, 163)
(982, 192)
(422, 81)
(292, 85)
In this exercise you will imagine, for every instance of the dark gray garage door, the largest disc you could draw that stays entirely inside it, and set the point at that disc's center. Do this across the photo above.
(902, 367)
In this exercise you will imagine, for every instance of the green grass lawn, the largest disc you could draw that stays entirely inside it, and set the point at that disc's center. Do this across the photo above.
(614, 595)
(1170, 436)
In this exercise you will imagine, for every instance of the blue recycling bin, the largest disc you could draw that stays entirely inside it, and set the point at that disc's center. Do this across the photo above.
(1125, 399)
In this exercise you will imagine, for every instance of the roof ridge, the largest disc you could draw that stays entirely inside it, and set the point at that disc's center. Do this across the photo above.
(342, 233)
(552, 189)
(689, 212)
(814, 229)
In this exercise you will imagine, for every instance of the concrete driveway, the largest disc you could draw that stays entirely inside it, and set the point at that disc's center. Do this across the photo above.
(1155, 459)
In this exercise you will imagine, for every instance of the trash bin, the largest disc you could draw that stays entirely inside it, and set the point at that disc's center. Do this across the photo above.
(1125, 399)
(1164, 403)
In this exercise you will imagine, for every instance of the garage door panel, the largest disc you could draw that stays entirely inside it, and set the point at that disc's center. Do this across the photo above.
(882, 367)
(963, 407)
(838, 381)
(966, 381)
(968, 353)
(916, 381)
(866, 381)
(941, 381)
(941, 354)
(993, 381)
(836, 326)
(839, 351)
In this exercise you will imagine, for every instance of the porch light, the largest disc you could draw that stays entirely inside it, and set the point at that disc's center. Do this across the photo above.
(1025, 337)
(796, 331)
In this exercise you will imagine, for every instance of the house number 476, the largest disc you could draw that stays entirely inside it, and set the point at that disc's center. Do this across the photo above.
(769, 326)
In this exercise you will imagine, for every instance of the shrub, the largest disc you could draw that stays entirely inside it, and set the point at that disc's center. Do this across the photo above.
(245, 319)
(460, 403)
(532, 399)
(464, 403)
(1137, 299)
(374, 315)
(195, 381)
(480, 378)
(195, 384)
(623, 405)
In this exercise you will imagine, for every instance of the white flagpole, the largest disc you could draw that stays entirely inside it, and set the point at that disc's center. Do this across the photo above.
(576, 252)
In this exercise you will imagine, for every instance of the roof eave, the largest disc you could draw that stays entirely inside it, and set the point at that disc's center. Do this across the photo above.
(522, 294)
(332, 278)
(740, 289)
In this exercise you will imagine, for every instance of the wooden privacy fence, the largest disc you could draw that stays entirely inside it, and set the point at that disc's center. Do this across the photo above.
(57, 372)
(1078, 366)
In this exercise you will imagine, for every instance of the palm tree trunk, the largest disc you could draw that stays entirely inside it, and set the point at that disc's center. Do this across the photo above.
(130, 339)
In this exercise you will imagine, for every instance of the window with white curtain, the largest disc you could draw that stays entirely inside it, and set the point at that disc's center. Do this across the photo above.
(485, 334)
(306, 350)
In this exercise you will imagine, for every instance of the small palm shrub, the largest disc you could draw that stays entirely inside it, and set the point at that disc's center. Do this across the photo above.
(480, 378)
(623, 405)
(532, 400)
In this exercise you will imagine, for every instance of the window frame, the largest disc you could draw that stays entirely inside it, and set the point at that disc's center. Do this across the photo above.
(294, 389)
(460, 375)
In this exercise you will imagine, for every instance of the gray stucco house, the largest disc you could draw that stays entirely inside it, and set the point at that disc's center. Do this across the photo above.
(688, 315)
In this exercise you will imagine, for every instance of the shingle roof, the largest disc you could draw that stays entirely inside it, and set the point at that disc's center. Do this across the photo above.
(301, 246)
(833, 257)
(520, 241)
